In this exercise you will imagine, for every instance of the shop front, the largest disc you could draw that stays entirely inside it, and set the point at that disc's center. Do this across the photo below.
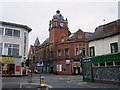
(10, 66)
(102, 68)
(76, 68)
(64, 67)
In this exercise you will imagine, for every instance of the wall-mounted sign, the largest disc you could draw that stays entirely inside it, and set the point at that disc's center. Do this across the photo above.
(17, 68)
(7, 59)
(76, 64)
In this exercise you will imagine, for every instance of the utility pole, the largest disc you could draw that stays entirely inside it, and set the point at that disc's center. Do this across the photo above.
(39, 65)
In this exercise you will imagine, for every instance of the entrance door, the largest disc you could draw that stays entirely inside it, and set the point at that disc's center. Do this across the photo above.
(11, 68)
(76, 70)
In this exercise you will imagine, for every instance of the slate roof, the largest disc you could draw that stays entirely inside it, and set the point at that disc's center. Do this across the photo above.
(88, 35)
(16, 25)
(106, 30)
(37, 42)
(46, 41)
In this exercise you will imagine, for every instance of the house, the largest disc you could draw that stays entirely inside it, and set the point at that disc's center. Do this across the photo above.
(104, 54)
(13, 48)
(32, 63)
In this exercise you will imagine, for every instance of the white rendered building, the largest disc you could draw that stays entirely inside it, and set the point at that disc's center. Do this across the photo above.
(13, 47)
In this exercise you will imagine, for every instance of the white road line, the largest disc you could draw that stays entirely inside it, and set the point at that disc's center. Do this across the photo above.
(48, 86)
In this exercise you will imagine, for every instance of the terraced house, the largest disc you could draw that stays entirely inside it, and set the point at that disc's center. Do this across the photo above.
(13, 48)
(62, 51)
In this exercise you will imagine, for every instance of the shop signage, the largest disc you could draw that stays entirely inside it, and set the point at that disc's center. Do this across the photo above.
(76, 64)
(67, 61)
(7, 59)
(17, 68)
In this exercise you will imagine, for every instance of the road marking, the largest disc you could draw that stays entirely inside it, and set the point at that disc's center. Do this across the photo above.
(84, 84)
(48, 86)
(38, 84)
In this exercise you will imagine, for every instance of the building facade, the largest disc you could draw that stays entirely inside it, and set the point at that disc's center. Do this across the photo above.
(62, 52)
(104, 51)
(13, 48)
(32, 56)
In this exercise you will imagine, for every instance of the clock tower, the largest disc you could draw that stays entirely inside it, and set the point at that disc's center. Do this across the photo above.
(58, 28)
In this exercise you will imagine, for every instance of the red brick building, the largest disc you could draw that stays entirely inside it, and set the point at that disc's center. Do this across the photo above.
(62, 52)
(32, 55)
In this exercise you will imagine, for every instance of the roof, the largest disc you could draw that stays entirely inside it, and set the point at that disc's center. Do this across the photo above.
(37, 42)
(46, 41)
(58, 16)
(88, 35)
(107, 30)
(16, 25)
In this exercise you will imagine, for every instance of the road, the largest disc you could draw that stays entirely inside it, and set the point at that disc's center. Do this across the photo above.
(52, 81)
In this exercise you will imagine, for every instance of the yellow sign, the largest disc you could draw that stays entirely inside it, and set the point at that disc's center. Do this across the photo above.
(7, 59)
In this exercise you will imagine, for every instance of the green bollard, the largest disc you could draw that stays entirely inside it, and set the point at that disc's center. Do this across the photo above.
(29, 78)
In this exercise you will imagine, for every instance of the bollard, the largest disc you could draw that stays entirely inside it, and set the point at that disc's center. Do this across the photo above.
(42, 82)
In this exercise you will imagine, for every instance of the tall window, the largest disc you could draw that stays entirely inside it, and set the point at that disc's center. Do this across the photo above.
(25, 43)
(51, 54)
(15, 50)
(11, 49)
(1, 46)
(59, 52)
(77, 51)
(92, 51)
(80, 51)
(114, 47)
(7, 49)
(1, 31)
(66, 51)
(44, 54)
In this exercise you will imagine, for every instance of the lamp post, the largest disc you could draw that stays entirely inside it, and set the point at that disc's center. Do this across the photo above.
(39, 65)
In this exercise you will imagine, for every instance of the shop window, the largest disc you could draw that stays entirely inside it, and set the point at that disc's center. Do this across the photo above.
(95, 64)
(109, 63)
(102, 64)
(64, 67)
(114, 47)
(117, 63)
(92, 51)
(8, 68)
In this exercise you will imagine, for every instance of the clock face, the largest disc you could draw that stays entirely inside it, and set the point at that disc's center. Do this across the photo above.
(61, 24)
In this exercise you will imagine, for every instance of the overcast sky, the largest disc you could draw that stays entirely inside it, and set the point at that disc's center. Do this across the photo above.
(81, 15)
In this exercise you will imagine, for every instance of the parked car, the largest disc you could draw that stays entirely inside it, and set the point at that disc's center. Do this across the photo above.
(36, 71)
